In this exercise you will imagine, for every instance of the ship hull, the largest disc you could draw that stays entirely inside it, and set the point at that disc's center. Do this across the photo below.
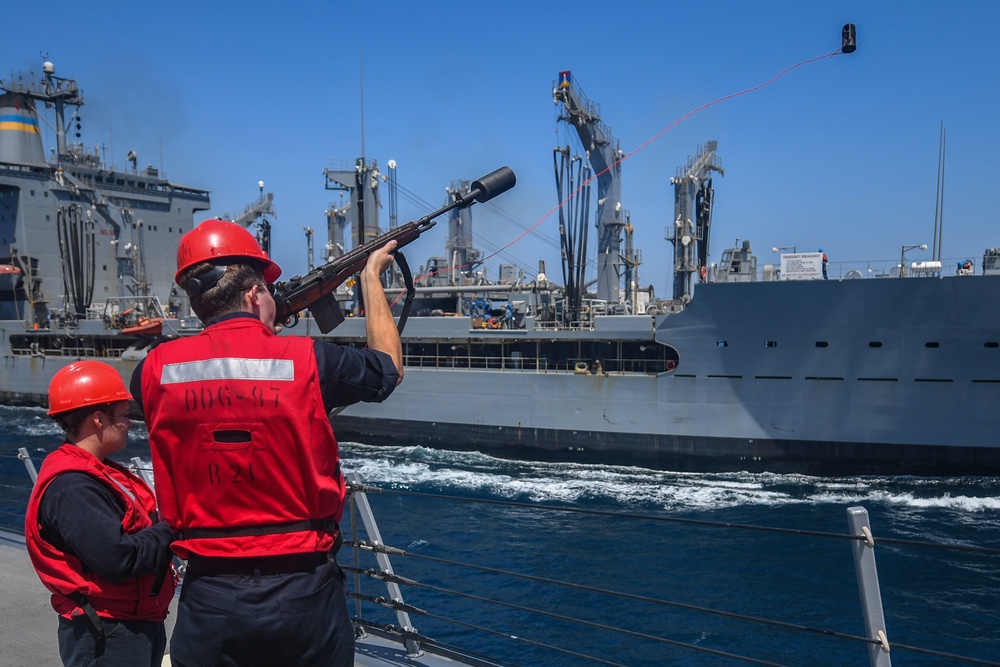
(869, 376)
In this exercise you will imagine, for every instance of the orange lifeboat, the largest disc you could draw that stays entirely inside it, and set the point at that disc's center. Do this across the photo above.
(146, 327)
(10, 277)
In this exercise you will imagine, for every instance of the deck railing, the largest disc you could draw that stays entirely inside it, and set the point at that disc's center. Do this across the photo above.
(373, 560)
(577, 365)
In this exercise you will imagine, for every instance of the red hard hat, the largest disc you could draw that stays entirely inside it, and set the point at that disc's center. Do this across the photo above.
(85, 383)
(218, 240)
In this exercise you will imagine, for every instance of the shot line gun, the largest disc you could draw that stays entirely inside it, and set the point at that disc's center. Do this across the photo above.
(315, 290)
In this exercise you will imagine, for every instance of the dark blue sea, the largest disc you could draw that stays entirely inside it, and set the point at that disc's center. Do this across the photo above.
(939, 601)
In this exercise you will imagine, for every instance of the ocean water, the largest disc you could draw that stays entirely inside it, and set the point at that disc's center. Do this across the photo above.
(623, 537)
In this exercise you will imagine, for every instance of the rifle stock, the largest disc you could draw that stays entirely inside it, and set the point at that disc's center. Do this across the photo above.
(315, 290)
(302, 292)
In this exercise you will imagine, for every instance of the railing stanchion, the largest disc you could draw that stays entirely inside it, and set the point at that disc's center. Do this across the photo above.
(871, 597)
(371, 528)
(22, 453)
(356, 556)
(142, 471)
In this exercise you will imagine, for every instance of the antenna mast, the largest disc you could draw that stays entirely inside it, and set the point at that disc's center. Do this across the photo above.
(939, 199)
(361, 86)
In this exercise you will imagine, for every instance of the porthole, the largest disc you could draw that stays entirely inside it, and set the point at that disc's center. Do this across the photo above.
(875, 343)
(822, 343)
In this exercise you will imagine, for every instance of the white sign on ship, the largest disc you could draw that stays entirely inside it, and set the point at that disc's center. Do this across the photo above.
(802, 266)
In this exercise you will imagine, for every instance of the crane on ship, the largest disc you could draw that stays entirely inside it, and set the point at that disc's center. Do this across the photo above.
(689, 233)
(604, 155)
(255, 213)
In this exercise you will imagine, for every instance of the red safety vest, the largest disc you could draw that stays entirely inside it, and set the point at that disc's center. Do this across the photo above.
(244, 457)
(64, 574)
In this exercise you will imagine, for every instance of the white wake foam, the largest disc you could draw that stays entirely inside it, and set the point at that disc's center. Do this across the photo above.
(475, 472)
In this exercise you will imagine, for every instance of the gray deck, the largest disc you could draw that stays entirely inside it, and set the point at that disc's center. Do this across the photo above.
(29, 636)
(29, 623)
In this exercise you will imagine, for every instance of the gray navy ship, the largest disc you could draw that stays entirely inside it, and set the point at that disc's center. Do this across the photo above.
(774, 369)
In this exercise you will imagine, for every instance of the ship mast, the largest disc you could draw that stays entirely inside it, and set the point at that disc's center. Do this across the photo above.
(692, 216)
(55, 91)
(939, 199)
(463, 258)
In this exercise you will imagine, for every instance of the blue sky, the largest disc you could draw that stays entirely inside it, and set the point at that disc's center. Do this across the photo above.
(841, 153)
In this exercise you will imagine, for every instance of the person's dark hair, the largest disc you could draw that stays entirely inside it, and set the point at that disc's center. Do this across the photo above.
(226, 296)
(70, 421)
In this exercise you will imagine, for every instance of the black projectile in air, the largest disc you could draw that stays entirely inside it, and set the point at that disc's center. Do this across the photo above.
(849, 39)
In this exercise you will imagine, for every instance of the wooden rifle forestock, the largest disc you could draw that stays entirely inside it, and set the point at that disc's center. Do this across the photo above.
(301, 292)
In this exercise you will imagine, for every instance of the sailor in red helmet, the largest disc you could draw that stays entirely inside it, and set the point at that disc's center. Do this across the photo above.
(92, 531)
(246, 464)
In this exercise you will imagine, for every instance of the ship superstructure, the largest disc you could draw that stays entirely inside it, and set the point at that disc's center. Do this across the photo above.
(81, 231)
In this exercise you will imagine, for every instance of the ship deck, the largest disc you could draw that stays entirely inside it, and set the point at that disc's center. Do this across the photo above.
(29, 636)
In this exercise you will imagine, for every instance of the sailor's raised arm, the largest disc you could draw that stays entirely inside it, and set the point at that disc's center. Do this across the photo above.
(379, 324)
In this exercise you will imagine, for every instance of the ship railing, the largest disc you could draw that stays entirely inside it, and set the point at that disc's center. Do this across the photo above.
(84, 351)
(557, 325)
(596, 307)
(38, 172)
(882, 268)
(507, 363)
(35, 350)
(74, 351)
(537, 626)
(528, 612)
(122, 181)
(191, 193)
(548, 325)
(465, 362)
(123, 311)
(89, 352)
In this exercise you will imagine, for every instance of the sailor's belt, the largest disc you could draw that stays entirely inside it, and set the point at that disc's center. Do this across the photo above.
(327, 525)
(288, 564)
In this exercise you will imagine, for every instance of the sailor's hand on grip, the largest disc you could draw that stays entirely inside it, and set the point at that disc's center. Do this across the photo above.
(381, 258)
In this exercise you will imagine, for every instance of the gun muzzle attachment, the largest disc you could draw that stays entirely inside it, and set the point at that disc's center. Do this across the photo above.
(489, 186)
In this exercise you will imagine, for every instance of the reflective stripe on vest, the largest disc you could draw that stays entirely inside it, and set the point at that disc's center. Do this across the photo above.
(228, 368)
